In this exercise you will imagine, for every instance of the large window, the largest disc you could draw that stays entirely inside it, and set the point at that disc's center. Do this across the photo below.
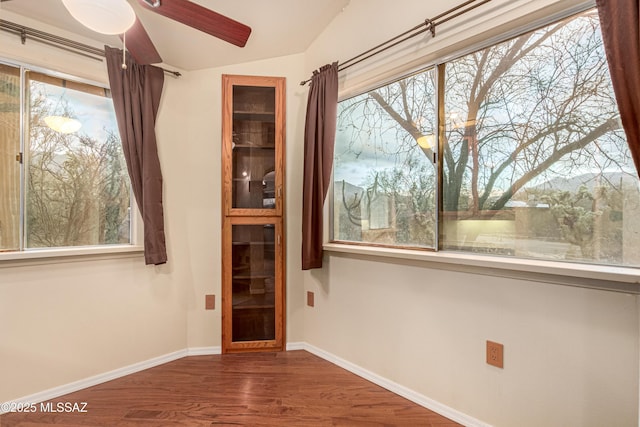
(65, 184)
(534, 162)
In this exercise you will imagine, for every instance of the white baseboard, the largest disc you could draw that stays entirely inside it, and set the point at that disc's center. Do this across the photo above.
(296, 346)
(204, 351)
(55, 392)
(396, 388)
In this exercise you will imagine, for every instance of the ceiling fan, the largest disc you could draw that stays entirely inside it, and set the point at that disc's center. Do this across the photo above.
(139, 43)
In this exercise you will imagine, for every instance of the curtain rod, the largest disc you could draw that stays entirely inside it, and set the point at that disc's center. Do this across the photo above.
(428, 25)
(60, 42)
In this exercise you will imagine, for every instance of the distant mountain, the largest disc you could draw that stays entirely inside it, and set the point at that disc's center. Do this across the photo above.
(589, 180)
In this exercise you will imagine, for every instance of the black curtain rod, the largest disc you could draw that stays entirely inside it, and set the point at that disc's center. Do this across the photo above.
(60, 42)
(428, 25)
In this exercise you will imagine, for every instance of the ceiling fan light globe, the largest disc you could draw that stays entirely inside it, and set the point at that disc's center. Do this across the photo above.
(63, 124)
(102, 16)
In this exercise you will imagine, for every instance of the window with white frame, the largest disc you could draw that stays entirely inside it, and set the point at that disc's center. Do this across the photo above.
(62, 171)
(533, 159)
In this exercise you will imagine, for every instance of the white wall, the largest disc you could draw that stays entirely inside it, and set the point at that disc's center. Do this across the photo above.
(66, 322)
(571, 354)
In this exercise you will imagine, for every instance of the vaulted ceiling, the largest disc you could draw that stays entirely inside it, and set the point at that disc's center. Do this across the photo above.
(279, 27)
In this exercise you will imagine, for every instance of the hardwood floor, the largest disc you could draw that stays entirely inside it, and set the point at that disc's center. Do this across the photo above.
(293, 388)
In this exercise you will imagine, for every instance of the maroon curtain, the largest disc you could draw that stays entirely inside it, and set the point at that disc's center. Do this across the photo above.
(136, 93)
(620, 23)
(319, 138)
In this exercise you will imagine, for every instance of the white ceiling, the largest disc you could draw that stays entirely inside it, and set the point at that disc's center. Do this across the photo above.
(279, 27)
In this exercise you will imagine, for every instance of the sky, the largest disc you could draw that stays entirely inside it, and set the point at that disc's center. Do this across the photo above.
(95, 112)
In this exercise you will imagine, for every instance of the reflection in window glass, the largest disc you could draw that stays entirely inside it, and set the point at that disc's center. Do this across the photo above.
(384, 176)
(77, 185)
(535, 161)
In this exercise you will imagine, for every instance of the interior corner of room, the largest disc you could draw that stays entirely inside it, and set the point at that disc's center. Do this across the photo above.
(431, 333)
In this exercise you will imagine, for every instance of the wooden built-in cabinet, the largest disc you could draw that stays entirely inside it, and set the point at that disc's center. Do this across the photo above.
(253, 252)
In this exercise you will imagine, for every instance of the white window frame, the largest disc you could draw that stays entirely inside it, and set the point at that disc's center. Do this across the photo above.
(71, 253)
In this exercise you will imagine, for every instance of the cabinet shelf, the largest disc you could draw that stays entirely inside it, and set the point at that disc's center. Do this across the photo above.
(250, 180)
(251, 146)
(252, 276)
(246, 301)
(254, 116)
(253, 243)
(254, 306)
(264, 112)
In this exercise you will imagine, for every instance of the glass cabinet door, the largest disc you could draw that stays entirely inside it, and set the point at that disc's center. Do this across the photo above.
(254, 148)
(253, 282)
(253, 142)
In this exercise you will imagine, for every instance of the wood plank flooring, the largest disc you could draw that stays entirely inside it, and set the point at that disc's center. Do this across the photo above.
(293, 388)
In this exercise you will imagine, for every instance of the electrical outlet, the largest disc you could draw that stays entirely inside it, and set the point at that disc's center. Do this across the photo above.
(209, 302)
(495, 354)
(310, 298)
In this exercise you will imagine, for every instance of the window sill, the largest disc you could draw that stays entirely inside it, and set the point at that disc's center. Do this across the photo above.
(60, 255)
(619, 279)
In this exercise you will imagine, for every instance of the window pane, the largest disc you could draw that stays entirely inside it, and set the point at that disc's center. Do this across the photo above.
(77, 184)
(9, 166)
(384, 177)
(535, 162)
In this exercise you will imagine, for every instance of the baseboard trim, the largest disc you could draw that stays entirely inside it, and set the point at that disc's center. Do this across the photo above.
(204, 351)
(396, 388)
(55, 392)
(296, 346)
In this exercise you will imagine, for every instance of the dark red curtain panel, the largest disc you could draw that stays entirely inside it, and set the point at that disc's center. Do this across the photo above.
(136, 93)
(620, 23)
(319, 139)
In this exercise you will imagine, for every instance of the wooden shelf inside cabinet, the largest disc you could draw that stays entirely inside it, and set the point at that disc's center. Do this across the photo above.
(252, 276)
(254, 181)
(253, 147)
(253, 243)
(249, 302)
(255, 116)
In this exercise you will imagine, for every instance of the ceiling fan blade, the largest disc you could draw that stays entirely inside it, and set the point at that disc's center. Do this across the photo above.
(203, 19)
(140, 45)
